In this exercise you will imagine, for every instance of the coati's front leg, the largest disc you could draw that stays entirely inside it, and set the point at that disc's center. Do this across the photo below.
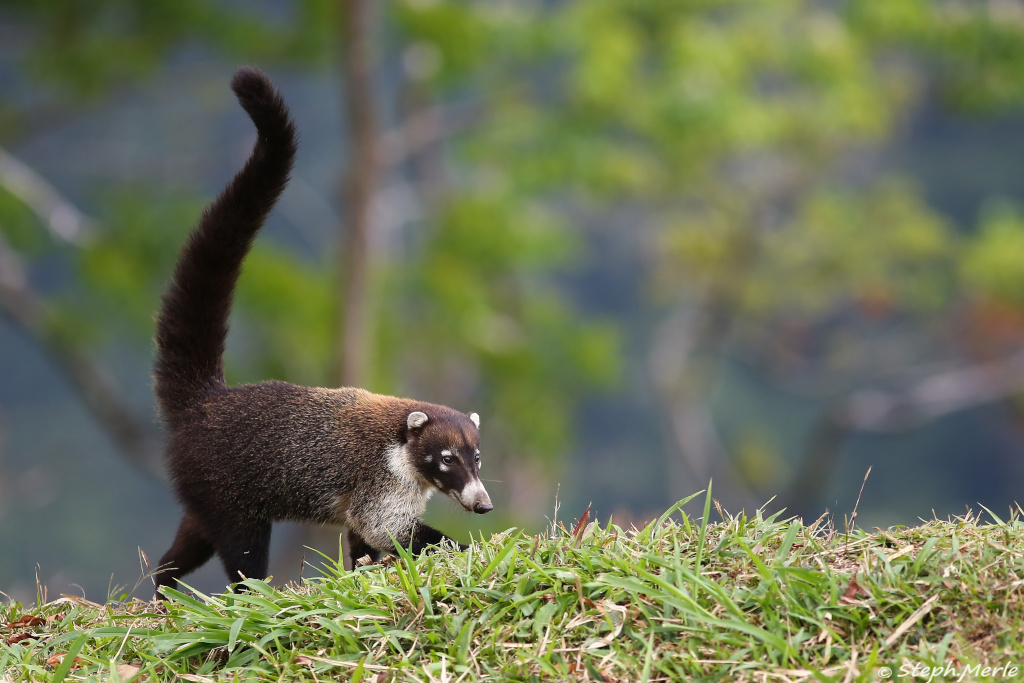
(423, 536)
(380, 529)
(359, 548)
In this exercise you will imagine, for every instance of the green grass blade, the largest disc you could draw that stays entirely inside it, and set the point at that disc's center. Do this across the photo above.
(702, 538)
(236, 627)
(499, 557)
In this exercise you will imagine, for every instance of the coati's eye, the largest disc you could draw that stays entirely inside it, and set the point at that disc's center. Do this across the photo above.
(477, 458)
(446, 459)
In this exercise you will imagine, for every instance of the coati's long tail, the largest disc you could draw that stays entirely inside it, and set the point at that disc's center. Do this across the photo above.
(192, 324)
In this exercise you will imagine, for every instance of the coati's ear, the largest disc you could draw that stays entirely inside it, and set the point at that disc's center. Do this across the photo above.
(417, 419)
(476, 419)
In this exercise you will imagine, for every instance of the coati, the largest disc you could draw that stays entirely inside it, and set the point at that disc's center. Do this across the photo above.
(241, 458)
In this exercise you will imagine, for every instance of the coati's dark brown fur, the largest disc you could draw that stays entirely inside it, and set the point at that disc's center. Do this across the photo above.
(243, 457)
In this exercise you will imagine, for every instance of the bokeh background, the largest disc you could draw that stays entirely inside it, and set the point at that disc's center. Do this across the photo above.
(653, 243)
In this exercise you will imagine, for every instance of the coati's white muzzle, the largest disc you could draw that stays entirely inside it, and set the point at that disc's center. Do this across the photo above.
(473, 497)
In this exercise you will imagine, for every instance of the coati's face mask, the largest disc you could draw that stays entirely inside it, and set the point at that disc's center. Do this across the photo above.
(446, 452)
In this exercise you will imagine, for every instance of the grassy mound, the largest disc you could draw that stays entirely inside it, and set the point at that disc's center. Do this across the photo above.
(748, 598)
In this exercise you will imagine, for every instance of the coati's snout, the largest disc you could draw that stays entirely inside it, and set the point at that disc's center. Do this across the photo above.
(447, 451)
(473, 497)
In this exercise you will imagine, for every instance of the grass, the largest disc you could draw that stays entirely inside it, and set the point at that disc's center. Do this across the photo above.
(746, 598)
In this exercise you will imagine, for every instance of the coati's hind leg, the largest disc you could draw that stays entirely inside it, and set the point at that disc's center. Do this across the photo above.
(244, 549)
(189, 551)
(358, 547)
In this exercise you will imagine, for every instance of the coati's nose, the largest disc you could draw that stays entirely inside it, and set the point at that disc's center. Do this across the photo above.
(474, 498)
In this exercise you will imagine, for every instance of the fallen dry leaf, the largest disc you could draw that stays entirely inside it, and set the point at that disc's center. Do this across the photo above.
(853, 590)
(55, 660)
(126, 672)
(26, 620)
(18, 637)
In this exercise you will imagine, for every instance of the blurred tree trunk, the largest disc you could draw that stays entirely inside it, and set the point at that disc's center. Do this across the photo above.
(358, 190)
(684, 359)
(683, 383)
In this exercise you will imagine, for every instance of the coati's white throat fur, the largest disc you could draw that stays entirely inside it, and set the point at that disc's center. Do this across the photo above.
(400, 464)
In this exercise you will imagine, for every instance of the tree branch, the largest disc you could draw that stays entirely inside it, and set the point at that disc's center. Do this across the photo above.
(879, 411)
(424, 128)
(61, 218)
(135, 438)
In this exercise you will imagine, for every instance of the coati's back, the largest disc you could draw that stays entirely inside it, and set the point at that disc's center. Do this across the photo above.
(279, 451)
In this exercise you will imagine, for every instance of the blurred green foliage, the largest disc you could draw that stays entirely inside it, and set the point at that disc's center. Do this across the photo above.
(121, 265)
(474, 295)
(290, 307)
(88, 47)
(975, 47)
(881, 246)
(730, 131)
(991, 266)
(19, 226)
